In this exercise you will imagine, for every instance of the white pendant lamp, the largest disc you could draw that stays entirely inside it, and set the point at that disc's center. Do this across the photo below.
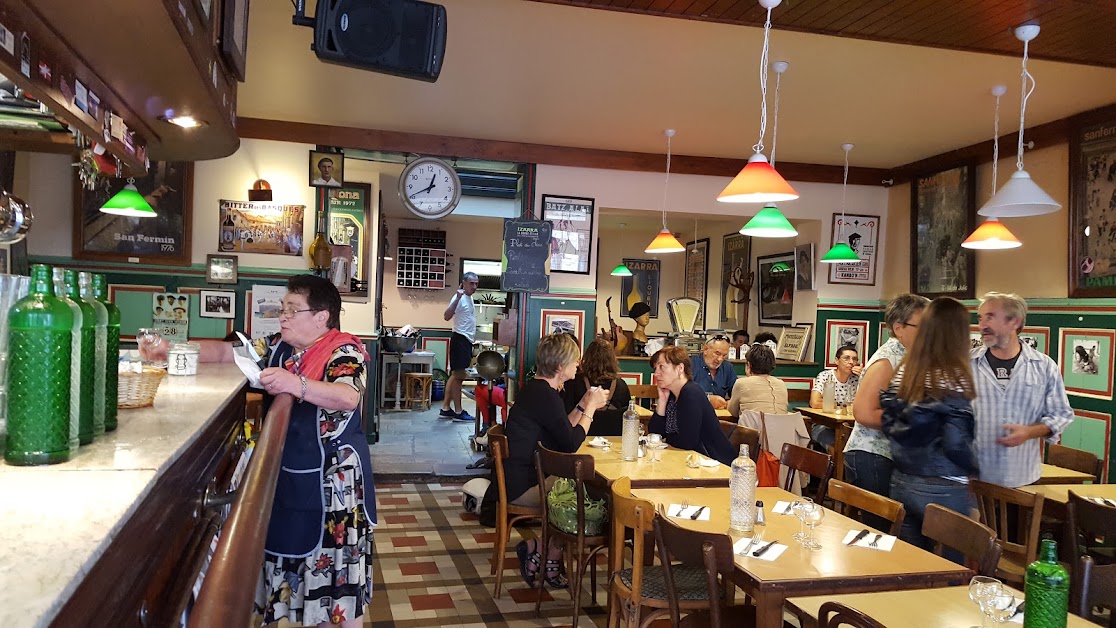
(842, 253)
(1021, 196)
(993, 235)
(769, 222)
(665, 242)
(759, 182)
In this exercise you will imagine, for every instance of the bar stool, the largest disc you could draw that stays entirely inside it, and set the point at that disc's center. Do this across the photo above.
(417, 387)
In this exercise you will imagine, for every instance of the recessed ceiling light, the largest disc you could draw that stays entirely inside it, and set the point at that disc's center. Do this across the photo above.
(186, 122)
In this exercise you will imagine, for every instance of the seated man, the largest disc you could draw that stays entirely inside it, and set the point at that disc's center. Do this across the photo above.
(712, 373)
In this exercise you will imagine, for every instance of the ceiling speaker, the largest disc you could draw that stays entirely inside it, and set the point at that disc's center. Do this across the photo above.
(402, 37)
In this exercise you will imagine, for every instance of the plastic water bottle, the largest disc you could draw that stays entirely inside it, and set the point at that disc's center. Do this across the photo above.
(742, 489)
(629, 440)
(1046, 590)
(829, 394)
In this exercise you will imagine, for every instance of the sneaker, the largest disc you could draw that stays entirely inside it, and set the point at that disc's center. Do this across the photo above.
(463, 416)
(447, 414)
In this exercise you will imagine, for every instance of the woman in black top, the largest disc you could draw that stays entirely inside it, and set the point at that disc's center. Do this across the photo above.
(600, 368)
(684, 415)
(539, 416)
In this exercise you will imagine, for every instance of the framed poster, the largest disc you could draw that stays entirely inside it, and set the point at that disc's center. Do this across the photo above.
(269, 228)
(1092, 210)
(862, 233)
(217, 304)
(793, 342)
(563, 321)
(161, 239)
(234, 36)
(1037, 338)
(839, 334)
(1086, 359)
(736, 268)
(572, 217)
(776, 288)
(697, 275)
(804, 267)
(643, 285)
(943, 214)
(349, 224)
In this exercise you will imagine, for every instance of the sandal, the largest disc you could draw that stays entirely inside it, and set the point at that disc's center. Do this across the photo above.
(555, 579)
(526, 557)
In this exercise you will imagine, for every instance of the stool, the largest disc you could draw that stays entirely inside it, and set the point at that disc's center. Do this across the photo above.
(417, 389)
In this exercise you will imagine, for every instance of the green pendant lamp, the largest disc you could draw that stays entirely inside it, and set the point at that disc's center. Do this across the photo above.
(621, 269)
(129, 202)
(842, 253)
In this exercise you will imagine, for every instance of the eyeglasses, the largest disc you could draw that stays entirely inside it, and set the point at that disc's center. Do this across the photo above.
(288, 312)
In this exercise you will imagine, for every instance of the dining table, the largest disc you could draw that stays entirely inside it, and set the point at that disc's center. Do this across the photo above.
(833, 420)
(646, 413)
(671, 471)
(1056, 496)
(835, 568)
(1060, 475)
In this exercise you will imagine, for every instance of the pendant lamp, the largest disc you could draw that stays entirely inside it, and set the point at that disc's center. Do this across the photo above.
(665, 242)
(759, 182)
(621, 269)
(129, 202)
(770, 222)
(842, 253)
(1021, 196)
(993, 235)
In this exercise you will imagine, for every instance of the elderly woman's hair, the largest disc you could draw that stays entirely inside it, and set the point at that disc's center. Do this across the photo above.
(1014, 306)
(903, 307)
(554, 352)
(599, 363)
(321, 296)
(761, 359)
(674, 355)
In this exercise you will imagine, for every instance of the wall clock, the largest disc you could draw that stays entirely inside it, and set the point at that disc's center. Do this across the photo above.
(430, 188)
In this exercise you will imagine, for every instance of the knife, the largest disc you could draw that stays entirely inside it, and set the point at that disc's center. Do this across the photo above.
(859, 535)
(1109, 501)
(694, 517)
(1018, 609)
(761, 551)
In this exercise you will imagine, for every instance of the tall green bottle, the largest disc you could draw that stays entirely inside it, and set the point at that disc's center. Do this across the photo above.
(59, 281)
(88, 363)
(100, 343)
(112, 350)
(1046, 590)
(39, 375)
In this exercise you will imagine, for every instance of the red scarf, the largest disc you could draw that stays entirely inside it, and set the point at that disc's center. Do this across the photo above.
(311, 362)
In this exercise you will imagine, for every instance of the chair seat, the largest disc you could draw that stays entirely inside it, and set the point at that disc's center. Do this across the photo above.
(1010, 571)
(689, 582)
(517, 510)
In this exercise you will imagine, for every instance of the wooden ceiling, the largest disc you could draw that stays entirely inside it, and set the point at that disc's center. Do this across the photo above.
(1073, 31)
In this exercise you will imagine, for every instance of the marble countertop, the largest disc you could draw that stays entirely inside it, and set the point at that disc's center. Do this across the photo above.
(57, 520)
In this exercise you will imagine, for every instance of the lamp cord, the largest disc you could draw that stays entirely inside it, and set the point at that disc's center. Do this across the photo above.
(775, 126)
(758, 146)
(1023, 104)
(666, 182)
(844, 187)
(995, 144)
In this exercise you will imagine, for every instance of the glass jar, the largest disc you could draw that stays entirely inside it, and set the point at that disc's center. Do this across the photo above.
(182, 359)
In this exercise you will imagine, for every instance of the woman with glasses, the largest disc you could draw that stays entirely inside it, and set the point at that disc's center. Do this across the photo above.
(684, 415)
(845, 379)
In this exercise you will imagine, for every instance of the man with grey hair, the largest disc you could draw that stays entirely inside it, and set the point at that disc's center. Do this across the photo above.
(1021, 398)
(464, 317)
(712, 373)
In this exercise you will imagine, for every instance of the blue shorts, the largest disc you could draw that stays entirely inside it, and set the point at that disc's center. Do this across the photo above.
(460, 352)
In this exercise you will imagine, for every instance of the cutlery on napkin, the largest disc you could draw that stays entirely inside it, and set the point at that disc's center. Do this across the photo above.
(762, 550)
(871, 540)
(694, 513)
(863, 533)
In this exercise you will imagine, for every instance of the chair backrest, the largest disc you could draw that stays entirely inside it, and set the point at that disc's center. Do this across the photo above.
(575, 467)
(992, 502)
(810, 462)
(498, 447)
(844, 616)
(1088, 525)
(1076, 459)
(644, 391)
(780, 429)
(727, 427)
(707, 551)
(744, 436)
(949, 528)
(637, 515)
(1092, 585)
(798, 396)
(856, 500)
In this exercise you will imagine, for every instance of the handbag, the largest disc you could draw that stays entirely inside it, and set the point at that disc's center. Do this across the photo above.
(767, 465)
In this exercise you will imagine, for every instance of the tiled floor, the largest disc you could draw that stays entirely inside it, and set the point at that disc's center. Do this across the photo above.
(417, 443)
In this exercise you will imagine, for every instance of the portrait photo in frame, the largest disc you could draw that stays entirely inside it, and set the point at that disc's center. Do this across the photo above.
(1092, 213)
(570, 240)
(326, 170)
(775, 274)
(943, 214)
(861, 233)
(222, 269)
(736, 265)
(844, 333)
(1085, 357)
(697, 274)
(217, 304)
(804, 267)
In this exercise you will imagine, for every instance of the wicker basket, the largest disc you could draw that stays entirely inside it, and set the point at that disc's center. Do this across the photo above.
(137, 390)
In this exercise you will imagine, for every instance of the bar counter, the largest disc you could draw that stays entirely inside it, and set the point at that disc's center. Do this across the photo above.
(57, 521)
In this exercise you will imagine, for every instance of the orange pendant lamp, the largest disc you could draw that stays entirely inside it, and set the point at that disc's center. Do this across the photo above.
(993, 235)
(665, 242)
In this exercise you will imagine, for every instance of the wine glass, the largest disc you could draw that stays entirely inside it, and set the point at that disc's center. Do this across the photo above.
(796, 508)
(999, 604)
(981, 588)
(148, 338)
(813, 515)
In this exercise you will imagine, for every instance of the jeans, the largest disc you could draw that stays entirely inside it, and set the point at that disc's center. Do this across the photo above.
(871, 472)
(916, 492)
(823, 436)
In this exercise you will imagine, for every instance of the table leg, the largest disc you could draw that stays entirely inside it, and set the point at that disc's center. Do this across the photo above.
(769, 609)
(839, 454)
(398, 379)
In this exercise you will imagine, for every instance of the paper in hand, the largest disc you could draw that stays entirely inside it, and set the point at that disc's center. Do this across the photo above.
(248, 361)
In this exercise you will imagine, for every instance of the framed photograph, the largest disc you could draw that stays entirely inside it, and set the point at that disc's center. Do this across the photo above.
(349, 225)
(1085, 357)
(839, 334)
(643, 285)
(563, 321)
(270, 228)
(326, 170)
(943, 214)
(862, 233)
(697, 275)
(217, 304)
(221, 268)
(776, 288)
(162, 239)
(736, 276)
(1092, 212)
(571, 237)
(234, 36)
(793, 343)
(804, 267)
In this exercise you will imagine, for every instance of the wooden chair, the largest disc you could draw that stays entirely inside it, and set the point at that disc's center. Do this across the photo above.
(632, 588)
(644, 392)
(1076, 459)
(798, 396)
(1021, 522)
(498, 447)
(976, 541)
(698, 582)
(856, 500)
(1091, 586)
(739, 435)
(580, 549)
(1092, 530)
(844, 616)
(810, 462)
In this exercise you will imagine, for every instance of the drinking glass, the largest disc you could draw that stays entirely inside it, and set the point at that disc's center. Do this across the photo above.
(796, 508)
(813, 515)
(999, 605)
(981, 589)
(148, 338)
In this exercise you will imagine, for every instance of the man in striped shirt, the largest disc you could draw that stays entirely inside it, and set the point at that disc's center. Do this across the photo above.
(1021, 398)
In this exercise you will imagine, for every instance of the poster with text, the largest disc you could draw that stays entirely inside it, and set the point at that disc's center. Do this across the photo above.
(170, 314)
(266, 303)
(269, 228)
(862, 234)
(643, 285)
(736, 266)
(572, 218)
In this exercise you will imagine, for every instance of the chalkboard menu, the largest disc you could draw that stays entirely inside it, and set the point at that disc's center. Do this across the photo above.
(526, 256)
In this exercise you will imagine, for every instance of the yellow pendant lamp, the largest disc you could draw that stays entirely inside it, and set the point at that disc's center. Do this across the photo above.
(993, 235)
(665, 242)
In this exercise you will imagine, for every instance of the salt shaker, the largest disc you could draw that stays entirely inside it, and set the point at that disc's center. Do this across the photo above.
(759, 513)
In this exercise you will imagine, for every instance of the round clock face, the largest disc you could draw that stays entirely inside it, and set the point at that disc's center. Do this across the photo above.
(430, 188)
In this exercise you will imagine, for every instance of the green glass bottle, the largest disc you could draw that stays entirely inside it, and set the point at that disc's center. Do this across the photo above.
(59, 282)
(100, 341)
(87, 364)
(1046, 590)
(112, 350)
(39, 375)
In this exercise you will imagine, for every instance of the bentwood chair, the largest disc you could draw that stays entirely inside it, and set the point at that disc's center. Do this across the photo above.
(976, 541)
(1093, 586)
(640, 585)
(508, 515)
(810, 462)
(1092, 528)
(843, 615)
(1076, 459)
(739, 435)
(855, 500)
(1019, 523)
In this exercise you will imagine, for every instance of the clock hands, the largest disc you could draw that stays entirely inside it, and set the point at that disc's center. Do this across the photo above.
(428, 188)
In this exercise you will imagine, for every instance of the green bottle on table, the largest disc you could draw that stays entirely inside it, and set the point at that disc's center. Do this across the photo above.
(58, 277)
(112, 350)
(1046, 590)
(39, 375)
(87, 362)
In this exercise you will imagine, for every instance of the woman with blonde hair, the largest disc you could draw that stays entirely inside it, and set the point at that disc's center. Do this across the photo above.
(599, 367)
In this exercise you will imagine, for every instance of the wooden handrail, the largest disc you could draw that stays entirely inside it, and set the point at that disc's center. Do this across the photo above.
(229, 589)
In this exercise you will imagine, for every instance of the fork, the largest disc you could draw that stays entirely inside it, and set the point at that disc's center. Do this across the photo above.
(876, 541)
(756, 540)
(682, 507)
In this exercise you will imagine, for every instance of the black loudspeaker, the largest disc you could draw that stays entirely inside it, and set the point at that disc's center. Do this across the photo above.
(402, 37)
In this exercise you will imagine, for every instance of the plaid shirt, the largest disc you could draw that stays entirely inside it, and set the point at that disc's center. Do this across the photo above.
(1034, 394)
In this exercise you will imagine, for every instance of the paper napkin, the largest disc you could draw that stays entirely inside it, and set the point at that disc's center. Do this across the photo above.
(770, 555)
(709, 462)
(885, 544)
(782, 508)
(677, 512)
(1101, 501)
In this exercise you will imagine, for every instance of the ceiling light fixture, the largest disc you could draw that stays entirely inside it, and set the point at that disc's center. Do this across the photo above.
(842, 253)
(665, 242)
(759, 182)
(129, 202)
(1021, 196)
(993, 235)
(186, 122)
(621, 269)
(770, 222)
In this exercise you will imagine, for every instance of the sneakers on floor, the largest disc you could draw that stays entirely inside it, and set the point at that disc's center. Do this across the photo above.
(463, 416)
(447, 414)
